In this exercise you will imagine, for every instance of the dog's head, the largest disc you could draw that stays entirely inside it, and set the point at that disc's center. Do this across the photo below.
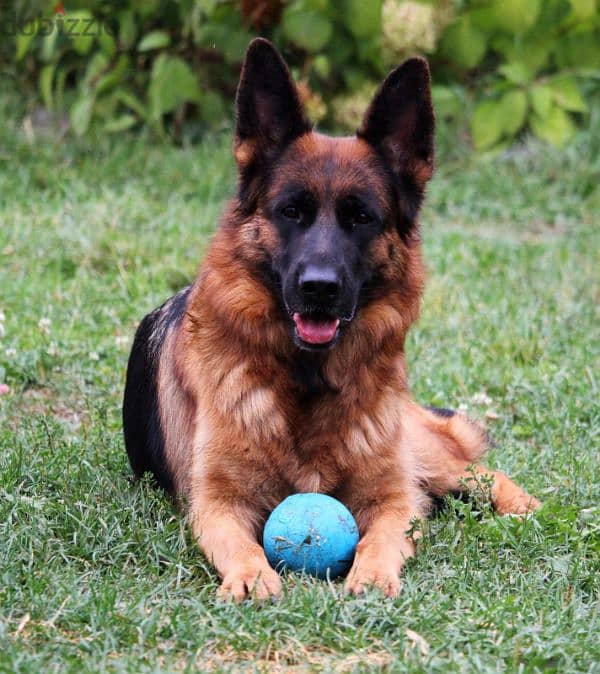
(315, 206)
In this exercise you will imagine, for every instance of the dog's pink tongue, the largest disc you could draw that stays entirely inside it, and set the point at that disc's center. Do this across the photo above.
(316, 331)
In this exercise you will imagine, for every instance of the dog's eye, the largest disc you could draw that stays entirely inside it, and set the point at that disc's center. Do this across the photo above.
(291, 212)
(361, 218)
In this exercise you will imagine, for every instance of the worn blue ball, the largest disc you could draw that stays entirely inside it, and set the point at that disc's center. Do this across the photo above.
(313, 533)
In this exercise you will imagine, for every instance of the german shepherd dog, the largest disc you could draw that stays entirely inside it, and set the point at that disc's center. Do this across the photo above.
(281, 369)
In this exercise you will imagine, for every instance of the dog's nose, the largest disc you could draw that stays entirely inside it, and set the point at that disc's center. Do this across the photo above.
(320, 284)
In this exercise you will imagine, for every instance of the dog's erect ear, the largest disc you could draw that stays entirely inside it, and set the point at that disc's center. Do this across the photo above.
(399, 124)
(269, 113)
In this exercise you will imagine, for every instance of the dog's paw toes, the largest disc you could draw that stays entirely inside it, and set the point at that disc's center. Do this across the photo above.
(258, 582)
(388, 583)
(518, 504)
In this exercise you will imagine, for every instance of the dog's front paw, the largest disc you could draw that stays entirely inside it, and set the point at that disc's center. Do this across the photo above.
(362, 577)
(374, 568)
(254, 579)
(379, 565)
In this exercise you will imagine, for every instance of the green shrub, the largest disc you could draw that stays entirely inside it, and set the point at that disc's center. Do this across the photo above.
(531, 56)
(509, 65)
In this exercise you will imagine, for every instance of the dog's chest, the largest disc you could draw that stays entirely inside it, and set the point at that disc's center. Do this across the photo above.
(309, 443)
(316, 471)
(309, 479)
(332, 441)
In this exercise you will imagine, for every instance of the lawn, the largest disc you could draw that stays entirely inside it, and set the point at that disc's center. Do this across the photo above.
(99, 573)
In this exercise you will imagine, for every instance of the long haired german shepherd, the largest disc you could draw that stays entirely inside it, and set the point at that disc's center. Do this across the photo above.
(282, 369)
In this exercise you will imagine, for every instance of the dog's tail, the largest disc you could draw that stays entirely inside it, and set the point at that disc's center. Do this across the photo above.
(465, 437)
(441, 441)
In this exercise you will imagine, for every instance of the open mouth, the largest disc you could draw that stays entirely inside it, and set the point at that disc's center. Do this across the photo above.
(316, 328)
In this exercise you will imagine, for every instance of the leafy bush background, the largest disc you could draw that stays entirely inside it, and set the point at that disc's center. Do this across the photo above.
(504, 66)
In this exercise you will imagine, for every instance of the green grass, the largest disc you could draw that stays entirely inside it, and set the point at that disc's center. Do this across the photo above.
(100, 574)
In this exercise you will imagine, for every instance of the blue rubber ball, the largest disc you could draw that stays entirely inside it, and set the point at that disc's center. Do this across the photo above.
(313, 533)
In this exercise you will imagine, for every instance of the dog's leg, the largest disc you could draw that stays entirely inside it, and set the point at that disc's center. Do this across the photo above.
(383, 509)
(226, 533)
(506, 496)
(227, 501)
(448, 447)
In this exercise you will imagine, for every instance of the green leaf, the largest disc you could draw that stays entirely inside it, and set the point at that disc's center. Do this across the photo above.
(318, 5)
(517, 73)
(81, 113)
(157, 39)
(369, 51)
(130, 101)
(121, 123)
(567, 95)
(207, 6)
(127, 29)
(446, 102)
(484, 18)
(531, 53)
(516, 16)
(487, 124)
(114, 76)
(24, 38)
(556, 127)
(105, 107)
(48, 49)
(96, 66)
(146, 8)
(171, 83)
(59, 86)
(581, 51)
(464, 44)
(583, 10)
(514, 111)
(45, 84)
(322, 66)
(362, 17)
(86, 27)
(306, 29)
(107, 42)
(535, 52)
(541, 99)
